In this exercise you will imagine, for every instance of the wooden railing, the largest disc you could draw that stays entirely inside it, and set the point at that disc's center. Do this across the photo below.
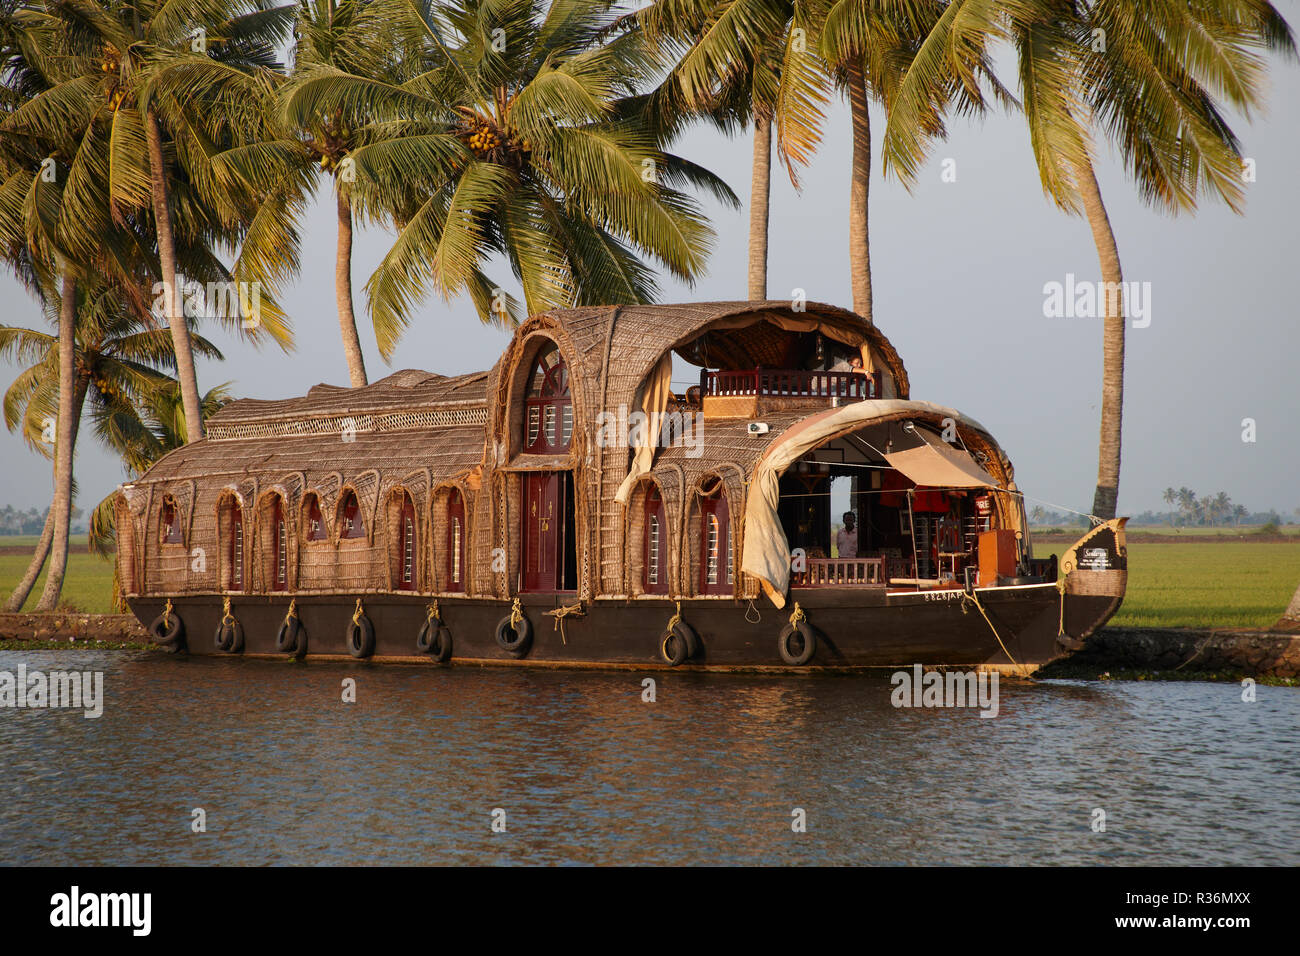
(840, 572)
(798, 383)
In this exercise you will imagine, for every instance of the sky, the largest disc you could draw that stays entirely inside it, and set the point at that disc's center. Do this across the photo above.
(958, 270)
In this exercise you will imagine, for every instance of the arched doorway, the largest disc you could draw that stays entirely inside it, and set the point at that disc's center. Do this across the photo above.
(550, 555)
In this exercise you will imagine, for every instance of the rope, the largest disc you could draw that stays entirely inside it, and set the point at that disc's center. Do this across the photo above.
(758, 617)
(560, 613)
(356, 615)
(293, 610)
(1197, 653)
(167, 615)
(797, 616)
(974, 598)
(226, 616)
(516, 614)
(1060, 587)
(433, 611)
(676, 618)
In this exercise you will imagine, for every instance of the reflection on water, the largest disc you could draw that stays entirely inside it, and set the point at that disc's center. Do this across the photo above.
(588, 773)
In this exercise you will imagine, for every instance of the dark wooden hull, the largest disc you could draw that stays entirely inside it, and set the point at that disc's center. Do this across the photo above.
(856, 628)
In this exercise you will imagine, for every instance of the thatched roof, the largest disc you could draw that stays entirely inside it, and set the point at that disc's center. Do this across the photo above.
(624, 342)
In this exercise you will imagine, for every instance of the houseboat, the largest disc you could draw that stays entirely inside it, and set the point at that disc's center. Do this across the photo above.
(727, 486)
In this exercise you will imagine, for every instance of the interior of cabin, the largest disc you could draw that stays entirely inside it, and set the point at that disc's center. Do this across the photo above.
(856, 512)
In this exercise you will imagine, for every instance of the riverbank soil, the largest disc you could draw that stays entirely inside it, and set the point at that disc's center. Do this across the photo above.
(71, 628)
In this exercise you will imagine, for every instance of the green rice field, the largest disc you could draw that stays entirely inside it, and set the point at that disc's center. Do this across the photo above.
(1179, 584)
(1209, 584)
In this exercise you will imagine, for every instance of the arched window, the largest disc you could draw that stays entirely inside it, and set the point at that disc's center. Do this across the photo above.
(717, 567)
(315, 521)
(235, 548)
(654, 572)
(351, 525)
(279, 541)
(171, 522)
(455, 542)
(548, 415)
(406, 537)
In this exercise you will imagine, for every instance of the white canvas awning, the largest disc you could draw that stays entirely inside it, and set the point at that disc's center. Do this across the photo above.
(937, 464)
(766, 553)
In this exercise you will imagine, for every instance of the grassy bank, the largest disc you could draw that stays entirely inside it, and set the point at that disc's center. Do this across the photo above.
(88, 586)
(1179, 584)
(1204, 584)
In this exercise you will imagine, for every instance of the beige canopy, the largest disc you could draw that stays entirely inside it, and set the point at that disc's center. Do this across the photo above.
(766, 553)
(935, 463)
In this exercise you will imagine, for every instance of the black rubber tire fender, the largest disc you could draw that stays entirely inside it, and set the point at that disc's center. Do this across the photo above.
(674, 648)
(687, 634)
(809, 641)
(169, 635)
(523, 636)
(440, 649)
(424, 637)
(229, 636)
(286, 638)
(360, 637)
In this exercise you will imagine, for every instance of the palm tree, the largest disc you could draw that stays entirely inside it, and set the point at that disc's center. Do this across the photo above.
(129, 87)
(510, 142)
(754, 60)
(1149, 79)
(356, 37)
(872, 45)
(1169, 497)
(118, 364)
(1222, 505)
(1239, 512)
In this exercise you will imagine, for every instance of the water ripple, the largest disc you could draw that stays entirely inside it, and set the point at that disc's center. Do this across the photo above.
(589, 774)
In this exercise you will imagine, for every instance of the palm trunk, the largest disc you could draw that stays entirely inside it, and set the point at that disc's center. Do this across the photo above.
(20, 593)
(1105, 500)
(343, 292)
(61, 506)
(1291, 616)
(175, 304)
(759, 197)
(859, 242)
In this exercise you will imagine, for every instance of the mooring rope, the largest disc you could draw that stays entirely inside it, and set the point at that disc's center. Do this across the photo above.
(226, 616)
(560, 613)
(356, 615)
(167, 615)
(516, 614)
(1060, 587)
(676, 618)
(797, 616)
(758, 616)
(432, 609)
(974, 598)
(293, 610)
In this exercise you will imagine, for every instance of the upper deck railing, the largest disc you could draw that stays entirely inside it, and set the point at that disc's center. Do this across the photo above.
(792, 383)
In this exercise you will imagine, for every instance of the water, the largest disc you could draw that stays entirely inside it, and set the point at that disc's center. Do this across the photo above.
(589, 774)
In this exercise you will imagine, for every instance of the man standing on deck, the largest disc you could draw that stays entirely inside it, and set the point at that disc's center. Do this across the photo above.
(846, 540)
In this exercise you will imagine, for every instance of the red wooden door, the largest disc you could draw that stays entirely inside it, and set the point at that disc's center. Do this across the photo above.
(550, 553)
(542, 524)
